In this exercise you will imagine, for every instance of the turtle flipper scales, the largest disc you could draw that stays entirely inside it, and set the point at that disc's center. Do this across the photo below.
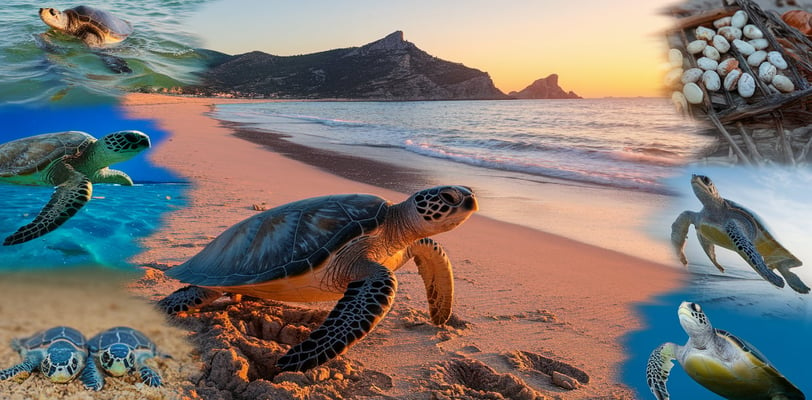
(22, 371)
(679, 232)
(364, 304)
(435, 268)
(149, 376)
(188, 298)
(748, 251)
(658, 368)
(69, 196)
(91, 377)
(794, 281)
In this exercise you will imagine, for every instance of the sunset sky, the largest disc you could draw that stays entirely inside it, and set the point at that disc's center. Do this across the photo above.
(598, 48)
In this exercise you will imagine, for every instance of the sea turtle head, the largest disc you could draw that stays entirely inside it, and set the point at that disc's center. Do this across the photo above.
(442, 208)
(704, 189)
(121, 146)
(117, 359)
(694, 321)
(62, 362)
(54, 18)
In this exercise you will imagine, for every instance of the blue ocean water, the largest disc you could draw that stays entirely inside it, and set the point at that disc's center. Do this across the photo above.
(627, 143)
(41, 66)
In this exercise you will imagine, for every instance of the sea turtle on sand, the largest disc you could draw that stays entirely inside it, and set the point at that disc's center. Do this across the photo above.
(122, 350)
(725, 223)
(60, 353)
(324, 248)
(71, 161)
(719, 361)
(96, 28)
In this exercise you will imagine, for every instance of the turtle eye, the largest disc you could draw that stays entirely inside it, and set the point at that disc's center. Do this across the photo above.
(696, 307)
(451, 197)
(705, 180)
(52, 11)
(105, 358)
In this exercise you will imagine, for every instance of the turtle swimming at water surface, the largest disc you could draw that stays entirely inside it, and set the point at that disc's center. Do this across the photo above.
(340, 247)
(722, 222)
(72, 161)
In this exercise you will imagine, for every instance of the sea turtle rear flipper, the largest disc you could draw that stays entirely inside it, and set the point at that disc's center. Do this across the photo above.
(148, 375)
(114, 63)
(91, 377)
(658, 368)
(707, 245)
(748, 251)
(364, 304)
(794, 281)
(679, 232)
(22, 371)
(67, 199)
(435, 268)
(188, 298)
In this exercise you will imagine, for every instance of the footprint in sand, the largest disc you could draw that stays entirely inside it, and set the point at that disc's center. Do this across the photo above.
(471, 379)
(562, 374)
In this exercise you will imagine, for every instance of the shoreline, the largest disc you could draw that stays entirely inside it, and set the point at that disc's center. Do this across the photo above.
(518, 288)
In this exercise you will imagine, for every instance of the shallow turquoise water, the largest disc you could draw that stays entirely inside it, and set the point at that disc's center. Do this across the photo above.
(160, 52)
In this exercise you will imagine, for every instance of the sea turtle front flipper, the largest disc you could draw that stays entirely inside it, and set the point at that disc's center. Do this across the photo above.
(107, 175)
(364, 304)
(794, 281)
(435, 268)
(748, 251)
(91, 377)
(22, 371)
(148, 375)
(67, 199)
(658, 368)
(114, 63)
(188, 298)
(679, 232)
(707, 245)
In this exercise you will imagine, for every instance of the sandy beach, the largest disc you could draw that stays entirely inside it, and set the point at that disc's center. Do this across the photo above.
(526, 302)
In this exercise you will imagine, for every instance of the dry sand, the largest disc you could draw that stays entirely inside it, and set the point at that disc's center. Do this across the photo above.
(527, 302)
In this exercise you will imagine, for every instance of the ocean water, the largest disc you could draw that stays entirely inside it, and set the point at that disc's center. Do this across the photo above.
(625, 143)
(41, 66)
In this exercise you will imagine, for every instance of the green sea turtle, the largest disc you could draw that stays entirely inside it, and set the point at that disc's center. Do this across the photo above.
(122, 350)
(71, 161)
(722, 222)
(340, 247)
(96, 28)
(60, 353)
(719, 361)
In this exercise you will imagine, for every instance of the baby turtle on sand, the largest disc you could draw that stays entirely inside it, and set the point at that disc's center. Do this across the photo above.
(119, 351)
(725, 223)
(719, 361)
(341, 247)
(92, 26)
(60, 353)
(72, 161)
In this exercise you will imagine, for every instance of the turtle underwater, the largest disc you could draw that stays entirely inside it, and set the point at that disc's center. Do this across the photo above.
(724, 223)
(71, 161)
(719, 361)
(339, 247)
(119, 351)
(60, 353)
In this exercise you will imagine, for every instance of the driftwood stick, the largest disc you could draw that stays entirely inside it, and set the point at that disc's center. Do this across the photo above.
(748, 141)
(786, 147)
(726, 134)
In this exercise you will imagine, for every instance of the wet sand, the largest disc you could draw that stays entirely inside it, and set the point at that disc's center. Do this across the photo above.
(521, 294)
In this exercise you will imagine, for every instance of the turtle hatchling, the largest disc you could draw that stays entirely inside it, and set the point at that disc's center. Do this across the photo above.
(92, 26)
(340, 247)
(722, 222)
(60, 353)
(71, 161)
(119, 351)
(719, 361)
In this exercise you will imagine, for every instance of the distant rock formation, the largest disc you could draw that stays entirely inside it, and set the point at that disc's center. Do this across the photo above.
(544, 88)
(387, 69)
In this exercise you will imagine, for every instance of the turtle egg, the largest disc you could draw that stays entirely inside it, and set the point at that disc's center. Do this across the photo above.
(680, 103)
(739, 19)
(757, 58)
(705, 34)
(743, 47)
(726, 66)
(747, 85)
(759, 44)
(691, 75)
(675, 58)
(732, 79)
(713, 54)
(752, 32)
(775, 58)
(711, 80)
(724, 21)
(766, 72)
(783, 83)
(706, 63)
(693, 93)
(721, 44)
(730, 33)
(696, 46)
(672, 77)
